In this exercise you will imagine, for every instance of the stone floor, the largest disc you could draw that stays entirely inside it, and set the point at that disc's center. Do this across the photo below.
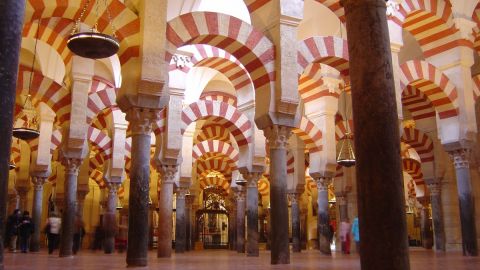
(223, 259)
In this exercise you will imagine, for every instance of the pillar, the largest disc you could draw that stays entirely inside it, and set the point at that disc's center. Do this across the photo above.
(188, 227)
(342, 204)
(37, 182)
(165, 206)
(240, 220)
(252, 214)
(295, 210)
(427, 237)
(277, 141)
(72, 166)
(379, 184)
(11, 23)
(22, 194)
(180, 228)
(232, 221)
(323, 221)
(141, 120)
(437, 215)
(110, 218)
(303, 227)
(466, 201)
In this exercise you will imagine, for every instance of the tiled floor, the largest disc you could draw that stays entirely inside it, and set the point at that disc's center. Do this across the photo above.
(222, 259)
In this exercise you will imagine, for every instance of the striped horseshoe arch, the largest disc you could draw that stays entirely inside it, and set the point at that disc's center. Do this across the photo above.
(420, 141)
(435, 85)
(213, 132)
(102, 95)
(214, 146)
(414, 169)
(251, 47)
(309, 134)
(331, 51)
(238, 124)
(101, 141)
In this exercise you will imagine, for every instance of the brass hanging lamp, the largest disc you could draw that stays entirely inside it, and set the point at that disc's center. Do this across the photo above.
(346, 155)
(93, 44)
(29, 129)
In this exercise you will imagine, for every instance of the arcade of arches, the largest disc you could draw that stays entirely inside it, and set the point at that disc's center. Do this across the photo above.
(217, 126)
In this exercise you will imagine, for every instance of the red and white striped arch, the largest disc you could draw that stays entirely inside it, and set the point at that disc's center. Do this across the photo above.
(417, 103)
(420, 141)
(310, 84)
(126, 22)
(101, 141)
(238, 124)
(290, 162)
(431, 23)
(214, 146)
(46, 90)
(219, 96)
(251, 47)
(435, 85)
(220, 164)
(219, 181)
(331, 51)
(476, 86)
(309, 134)
(213, 132)
(56, 140)
(414, 169)
(102, 95)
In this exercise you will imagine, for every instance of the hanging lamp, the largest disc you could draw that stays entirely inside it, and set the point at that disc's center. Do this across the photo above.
(93, 44)
(346, 155)
(29, 129)
(11, 165)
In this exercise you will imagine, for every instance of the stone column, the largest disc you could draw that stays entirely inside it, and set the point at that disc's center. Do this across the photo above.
(466, 201)
(303, 227)
(232, 221)
(72, 166)
(295, 210)
(240, 220)
(437, 215)
(188, 216)
(323, 221)
(277, 141)
(427, 237)
(11, 22)
(180, 228)
(252, 214)
(141, 120)
(165, 206)
(110, 218)
(342, 204)
(379, 179)
(22, 194)
(37, 182)
(81, 194)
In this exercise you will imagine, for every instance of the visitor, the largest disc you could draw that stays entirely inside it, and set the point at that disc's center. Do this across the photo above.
(52, 229)
(25, 229)
(98, 237)
(356, 234)
(345, 236)
(78, 233)
(11, 230)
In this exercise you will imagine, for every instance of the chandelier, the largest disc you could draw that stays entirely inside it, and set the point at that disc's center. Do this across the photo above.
(91, 43)
(346, 155)
(29, 128)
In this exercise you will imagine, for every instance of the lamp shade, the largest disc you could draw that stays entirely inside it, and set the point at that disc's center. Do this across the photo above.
(346, 155)
(93, 45)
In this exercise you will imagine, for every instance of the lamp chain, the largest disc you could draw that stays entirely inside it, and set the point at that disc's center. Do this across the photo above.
(110, 22)
(77, 23)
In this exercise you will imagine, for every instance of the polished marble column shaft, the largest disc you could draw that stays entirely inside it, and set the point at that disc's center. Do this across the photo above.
(165, 206)
(240, 224)
(437, 215)
(323, 216)
(379, 177)
(180, 226)
(295, 211)
(252, 214)
(37, 182)
(110, 219)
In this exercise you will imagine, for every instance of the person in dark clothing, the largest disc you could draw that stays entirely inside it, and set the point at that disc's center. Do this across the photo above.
(25, 229)
(11, 230)
(98, 238)
(78, 233)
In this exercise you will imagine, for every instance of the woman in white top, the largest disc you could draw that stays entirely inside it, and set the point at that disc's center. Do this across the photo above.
(54, 224)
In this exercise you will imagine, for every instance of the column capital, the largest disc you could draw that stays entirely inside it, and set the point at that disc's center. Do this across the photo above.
(168, 172)
(293, 197)
(435, 188)
(239, 195)
(189, 198)
(252, 178)
(460, 157)
(277, 136)
(72, 165)
(341, 198)
(465, 27)
(141, 119)
(322, 183)
(38, 181)
(181, 192)
(113, 187)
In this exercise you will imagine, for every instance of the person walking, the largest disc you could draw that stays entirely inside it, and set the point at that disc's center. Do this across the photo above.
(345, 236)
(11, 230)
(25, 229)
(356, 234)
(52, 230)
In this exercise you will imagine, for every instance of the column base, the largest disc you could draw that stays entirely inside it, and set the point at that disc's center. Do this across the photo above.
(136, 262)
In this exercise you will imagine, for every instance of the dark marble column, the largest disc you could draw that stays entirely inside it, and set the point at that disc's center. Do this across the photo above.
(232, 221)
(277, 141)
(72, 166)
(240, 220)
(303, 227)
(11, 22)
(437, 215)
(252, 214)
(141, 120)
(110, 218)
(466, 201)
(262, 237)
(81, 194)
(37, 182)
(342, 205)
(379, 180)
(180, 228)
(323, 217)
(188, 217)
(165, 206)
(427, 236)
(295, 210)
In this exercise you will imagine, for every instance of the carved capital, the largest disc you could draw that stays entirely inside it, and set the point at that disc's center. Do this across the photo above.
(38, 182)
(460, 158)
(168, 172)
(113, 187)
(435, 188)
(278, 136)
(72, 165)
(181, 193)
(293, 197)
(341, 199)
(322, 183)
(141, 119)
(252, 178)
(189, 198)
(239, 195)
